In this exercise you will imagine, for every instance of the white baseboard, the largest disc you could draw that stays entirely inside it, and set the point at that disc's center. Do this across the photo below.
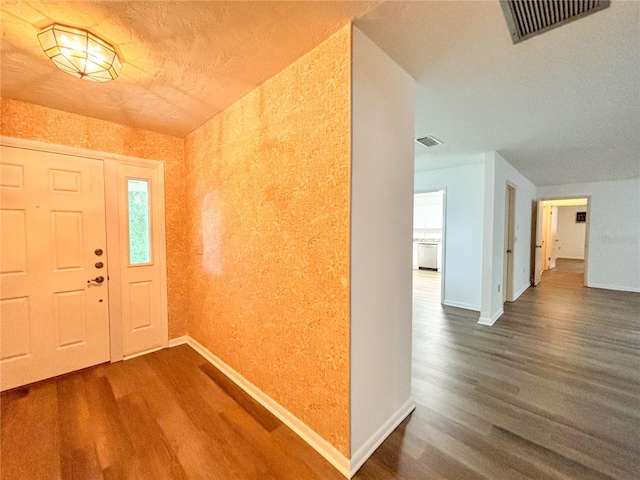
(324, 448)
(490, 321)
(614, 287)
(466, 306)
(174, 342)
(144, 352)
(366, 450)
(521, 291)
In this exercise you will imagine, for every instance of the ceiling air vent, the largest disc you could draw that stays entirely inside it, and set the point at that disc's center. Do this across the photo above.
(527, 18)
(429, 141)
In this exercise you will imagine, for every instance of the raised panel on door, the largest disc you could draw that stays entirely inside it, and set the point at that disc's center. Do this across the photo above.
(54, 210)
(13, 235)
(141, 305)
(65, 181)
(15, 325)
(67, 237)
(11, 176)
(70, 317)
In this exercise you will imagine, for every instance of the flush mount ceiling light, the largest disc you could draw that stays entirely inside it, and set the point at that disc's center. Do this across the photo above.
(80, 53)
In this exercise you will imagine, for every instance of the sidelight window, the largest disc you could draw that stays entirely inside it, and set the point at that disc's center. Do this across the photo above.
(139, 222)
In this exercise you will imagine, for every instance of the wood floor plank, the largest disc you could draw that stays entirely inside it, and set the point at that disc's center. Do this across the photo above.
(180, 374)
(201, 402)
(115, 451)
(78, 454)
(500, 452)
(264, 445)
(304, 453)
(399, 458)
(551, 461)
(30, 437)
(259, 413)
(154, 457)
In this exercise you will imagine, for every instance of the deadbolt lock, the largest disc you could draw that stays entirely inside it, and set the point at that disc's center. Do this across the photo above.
(99, 264)
(98, 251)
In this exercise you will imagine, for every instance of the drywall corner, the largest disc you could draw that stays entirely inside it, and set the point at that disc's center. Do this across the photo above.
(498, 174)
(383, 97)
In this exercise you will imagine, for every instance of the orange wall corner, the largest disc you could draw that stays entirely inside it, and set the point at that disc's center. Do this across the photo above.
(268, 202)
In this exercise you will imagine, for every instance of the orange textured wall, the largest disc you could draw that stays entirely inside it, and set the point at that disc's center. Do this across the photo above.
(268, 186)
(27, 121)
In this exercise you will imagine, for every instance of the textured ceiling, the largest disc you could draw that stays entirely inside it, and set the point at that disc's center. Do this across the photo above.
(183, 61)
(562, 107)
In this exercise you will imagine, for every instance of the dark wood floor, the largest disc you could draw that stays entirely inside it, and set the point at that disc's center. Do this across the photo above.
(166, 415)
(551, 391)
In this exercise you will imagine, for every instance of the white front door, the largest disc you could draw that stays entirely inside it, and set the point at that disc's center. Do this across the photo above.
(54, 301)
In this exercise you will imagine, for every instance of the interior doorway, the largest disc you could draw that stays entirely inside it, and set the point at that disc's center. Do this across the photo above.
(429, 240)
(562, 234)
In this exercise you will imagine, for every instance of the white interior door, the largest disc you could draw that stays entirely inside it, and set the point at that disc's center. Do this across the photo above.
(54, 299)
(142, 258)
(537, 272)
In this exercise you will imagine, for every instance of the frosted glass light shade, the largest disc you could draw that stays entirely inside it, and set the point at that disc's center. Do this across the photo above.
(80, 53)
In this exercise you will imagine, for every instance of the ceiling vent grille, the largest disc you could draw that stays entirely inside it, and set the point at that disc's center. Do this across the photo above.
(429, 141)
(527, 18)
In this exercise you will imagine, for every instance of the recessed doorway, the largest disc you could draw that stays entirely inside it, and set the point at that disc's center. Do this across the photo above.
(429, 233)
(562, 233)
(83, 264)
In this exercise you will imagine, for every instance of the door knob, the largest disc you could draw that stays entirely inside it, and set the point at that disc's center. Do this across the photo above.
(98, 280)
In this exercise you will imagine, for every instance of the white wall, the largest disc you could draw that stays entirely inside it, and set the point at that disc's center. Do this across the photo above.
(497, 174)
(381, 241)
(463, 250)
(570, 236)
(613, 244)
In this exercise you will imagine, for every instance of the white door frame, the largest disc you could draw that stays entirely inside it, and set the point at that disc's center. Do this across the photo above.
(443, 247)
(111, 162)
(546, 237)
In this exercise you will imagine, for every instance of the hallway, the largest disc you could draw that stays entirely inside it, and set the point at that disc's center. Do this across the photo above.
(549, 392)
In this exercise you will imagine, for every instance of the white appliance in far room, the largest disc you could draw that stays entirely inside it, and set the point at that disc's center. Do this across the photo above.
(428, 256)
